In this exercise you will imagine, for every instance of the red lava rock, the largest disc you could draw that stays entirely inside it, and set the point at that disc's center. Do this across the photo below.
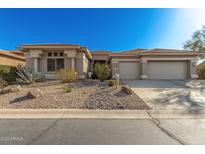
(30, 95)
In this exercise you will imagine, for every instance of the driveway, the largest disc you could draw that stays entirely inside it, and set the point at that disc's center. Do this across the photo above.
(170, 94)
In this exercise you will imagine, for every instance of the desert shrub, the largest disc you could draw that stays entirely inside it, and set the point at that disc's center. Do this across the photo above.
(8, 73)
(112, 83)
(27, 75)
(67, 75)
(102, 71)
(67, 89)
(201, 70)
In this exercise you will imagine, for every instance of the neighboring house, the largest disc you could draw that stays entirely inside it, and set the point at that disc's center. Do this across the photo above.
(130, 64)
(48, 58)
(11, 58)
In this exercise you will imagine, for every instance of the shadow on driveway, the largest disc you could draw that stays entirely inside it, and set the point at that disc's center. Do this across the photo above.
(166, 94)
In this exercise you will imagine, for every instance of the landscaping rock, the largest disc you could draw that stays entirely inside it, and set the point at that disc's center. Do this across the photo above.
(126, 90)
(11, 89)
(29, 95)
(84, 95)
(104, 101)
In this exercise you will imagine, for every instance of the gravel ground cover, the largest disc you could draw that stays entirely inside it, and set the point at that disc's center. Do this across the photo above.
(85, 94)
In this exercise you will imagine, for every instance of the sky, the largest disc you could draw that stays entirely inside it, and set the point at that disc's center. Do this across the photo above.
(100, 29)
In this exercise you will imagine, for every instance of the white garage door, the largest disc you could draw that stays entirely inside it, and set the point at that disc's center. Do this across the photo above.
(129, 70)
(167, 70)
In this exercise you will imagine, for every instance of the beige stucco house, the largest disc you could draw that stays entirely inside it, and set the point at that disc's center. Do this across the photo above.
(130, 64)
(47, 58)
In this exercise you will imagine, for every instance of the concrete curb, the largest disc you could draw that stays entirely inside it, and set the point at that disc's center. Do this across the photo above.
(98, 114)
(72, 113)
(177, 114)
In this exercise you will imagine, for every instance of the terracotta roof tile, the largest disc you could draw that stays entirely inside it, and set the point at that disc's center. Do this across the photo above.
(50, 44)
(9, 54)
(101, 52)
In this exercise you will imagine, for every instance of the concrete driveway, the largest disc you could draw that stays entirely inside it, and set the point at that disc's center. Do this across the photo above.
(170, 94)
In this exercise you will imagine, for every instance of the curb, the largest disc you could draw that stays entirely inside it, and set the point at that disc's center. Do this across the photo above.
(71, 113)
(99, 114)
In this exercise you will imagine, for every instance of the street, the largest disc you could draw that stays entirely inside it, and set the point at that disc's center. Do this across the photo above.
(102, 131)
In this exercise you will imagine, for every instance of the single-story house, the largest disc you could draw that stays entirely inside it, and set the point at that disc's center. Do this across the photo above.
(130, 64)
(11, 58)
(47, 58)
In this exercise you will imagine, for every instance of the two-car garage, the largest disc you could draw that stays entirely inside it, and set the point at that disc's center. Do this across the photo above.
(155, 70)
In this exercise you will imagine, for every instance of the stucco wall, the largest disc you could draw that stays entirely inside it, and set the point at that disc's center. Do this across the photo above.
(100, 57)
(144, 61)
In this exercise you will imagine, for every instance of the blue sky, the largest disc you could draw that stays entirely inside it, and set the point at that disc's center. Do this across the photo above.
(107, 29)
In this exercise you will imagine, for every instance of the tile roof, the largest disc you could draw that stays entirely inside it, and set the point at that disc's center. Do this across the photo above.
(133, 51)
(166, 50)
(50, 44)
(10, 54)
(17, 52)
(101, 52)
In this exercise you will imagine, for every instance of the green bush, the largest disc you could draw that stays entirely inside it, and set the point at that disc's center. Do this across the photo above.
(201, 70)
(67, 75)
(112, 83)
(8, 73)
(27, 75)
(67, 89)
(102, 71)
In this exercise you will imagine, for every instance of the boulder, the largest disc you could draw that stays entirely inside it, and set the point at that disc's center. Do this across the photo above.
(29, 95)
(127, 90)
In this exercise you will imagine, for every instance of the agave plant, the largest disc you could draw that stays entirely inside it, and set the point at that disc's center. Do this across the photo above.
(27, 75)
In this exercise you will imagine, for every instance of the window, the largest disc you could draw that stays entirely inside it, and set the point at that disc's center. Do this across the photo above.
(55, 54)
(61, 54)
(54, 64)
(60, 63)
(49, 54)
(51, 65)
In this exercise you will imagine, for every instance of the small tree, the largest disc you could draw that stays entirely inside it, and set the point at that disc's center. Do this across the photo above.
(102, 71)
(197, 41)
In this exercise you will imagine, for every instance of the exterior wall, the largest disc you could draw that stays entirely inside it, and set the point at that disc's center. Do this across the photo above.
(43, 64)
(81, 63)
(80, 68)
(144, 61)
(143, 69)
(6, 60)
(192, 69)
(29, 60)
(85, 65)
(100, 57)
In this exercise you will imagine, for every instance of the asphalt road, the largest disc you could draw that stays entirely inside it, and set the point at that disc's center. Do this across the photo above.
(102, 131)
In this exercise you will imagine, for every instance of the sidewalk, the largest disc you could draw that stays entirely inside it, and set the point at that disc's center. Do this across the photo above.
(99, 114)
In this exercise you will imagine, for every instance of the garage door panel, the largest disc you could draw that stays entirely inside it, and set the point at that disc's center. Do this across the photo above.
(167, 70)
(129, 70)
